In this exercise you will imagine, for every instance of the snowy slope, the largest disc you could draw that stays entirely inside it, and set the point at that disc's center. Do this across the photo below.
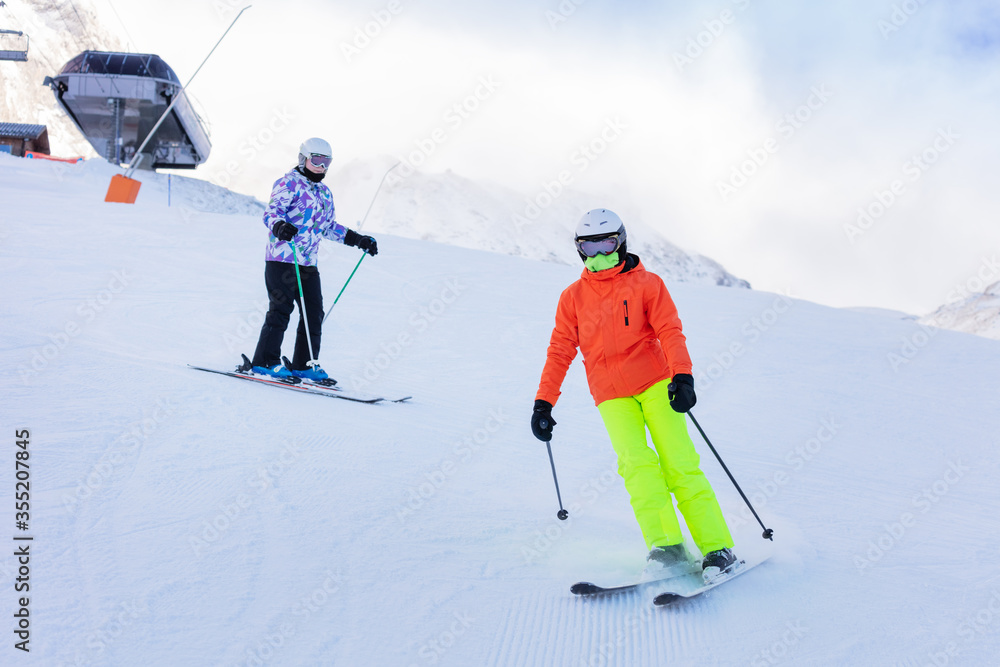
(182, 518)
(181, 196)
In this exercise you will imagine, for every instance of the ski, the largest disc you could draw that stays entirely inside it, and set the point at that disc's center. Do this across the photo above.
(693, 585)
(306, 387)
(339, 392)
(587, 589)
(328, 383)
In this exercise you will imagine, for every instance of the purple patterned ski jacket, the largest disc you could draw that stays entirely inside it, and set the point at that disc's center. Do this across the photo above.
(308, 206)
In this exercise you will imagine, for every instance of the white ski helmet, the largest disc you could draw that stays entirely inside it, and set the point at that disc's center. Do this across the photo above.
(597, 225)
(315, 146)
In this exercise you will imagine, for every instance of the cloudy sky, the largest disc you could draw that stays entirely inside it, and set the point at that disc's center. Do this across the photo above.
(841, 152)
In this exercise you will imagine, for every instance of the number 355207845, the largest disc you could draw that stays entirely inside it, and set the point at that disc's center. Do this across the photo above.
(22, 472)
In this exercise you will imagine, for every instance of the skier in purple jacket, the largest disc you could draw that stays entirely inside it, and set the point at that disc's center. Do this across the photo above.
(300, 212)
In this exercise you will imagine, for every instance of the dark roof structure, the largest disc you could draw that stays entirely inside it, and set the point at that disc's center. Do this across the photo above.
(21, 131)
(19, 139)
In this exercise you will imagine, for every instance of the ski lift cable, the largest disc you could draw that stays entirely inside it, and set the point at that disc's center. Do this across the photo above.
(82, 24)
(124, 27)
(177, 96)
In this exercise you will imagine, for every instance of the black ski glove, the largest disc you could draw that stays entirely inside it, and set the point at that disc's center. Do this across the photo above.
(681, 393)
(284, 230)
(366, 243)
(542, 421)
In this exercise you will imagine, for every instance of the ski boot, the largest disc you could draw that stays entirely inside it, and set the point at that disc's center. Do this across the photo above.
(313, 373)
(718, 563)
(278, 372)
(668, 561)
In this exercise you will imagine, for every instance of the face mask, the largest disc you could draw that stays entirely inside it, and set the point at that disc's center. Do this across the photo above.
(601, 262)
(315, 178)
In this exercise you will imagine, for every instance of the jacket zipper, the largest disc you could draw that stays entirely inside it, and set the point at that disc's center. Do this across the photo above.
(626, 312)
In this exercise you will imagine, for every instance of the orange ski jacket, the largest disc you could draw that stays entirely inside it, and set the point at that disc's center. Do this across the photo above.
(626, 325)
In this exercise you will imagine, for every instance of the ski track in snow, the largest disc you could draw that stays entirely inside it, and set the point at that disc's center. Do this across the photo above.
(184, 518)
(622, 629)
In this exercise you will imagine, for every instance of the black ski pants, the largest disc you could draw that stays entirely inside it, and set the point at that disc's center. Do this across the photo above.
(283, 293)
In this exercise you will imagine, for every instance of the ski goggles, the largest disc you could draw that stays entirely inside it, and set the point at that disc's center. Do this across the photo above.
(605, 245)
(320, 161)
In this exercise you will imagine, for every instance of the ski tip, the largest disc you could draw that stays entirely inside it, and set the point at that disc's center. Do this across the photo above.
(664, 599)
(584, 588)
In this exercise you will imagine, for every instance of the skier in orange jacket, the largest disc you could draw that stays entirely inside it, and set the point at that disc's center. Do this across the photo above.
(639, 371)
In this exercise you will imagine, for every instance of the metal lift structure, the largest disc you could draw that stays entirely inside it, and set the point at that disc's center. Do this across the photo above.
(14, 45)
(117, 99)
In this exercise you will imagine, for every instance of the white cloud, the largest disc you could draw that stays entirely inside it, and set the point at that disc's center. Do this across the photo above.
(687, 127)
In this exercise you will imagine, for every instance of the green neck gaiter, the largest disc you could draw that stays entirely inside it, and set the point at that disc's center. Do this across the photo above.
(601, 262)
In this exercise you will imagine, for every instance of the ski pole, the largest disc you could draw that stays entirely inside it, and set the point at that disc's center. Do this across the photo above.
(137, 158)
(360, 225)
(302, 305)
(363, 255)
(377, 190)
(562, 514)
(768, 533)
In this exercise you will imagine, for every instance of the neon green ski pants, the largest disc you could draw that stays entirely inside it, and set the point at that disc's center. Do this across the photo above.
(652, 475)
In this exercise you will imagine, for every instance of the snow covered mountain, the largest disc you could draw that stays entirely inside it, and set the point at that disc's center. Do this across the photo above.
(447, 208)
(58, 31)
(976, 314)
(182, 518)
